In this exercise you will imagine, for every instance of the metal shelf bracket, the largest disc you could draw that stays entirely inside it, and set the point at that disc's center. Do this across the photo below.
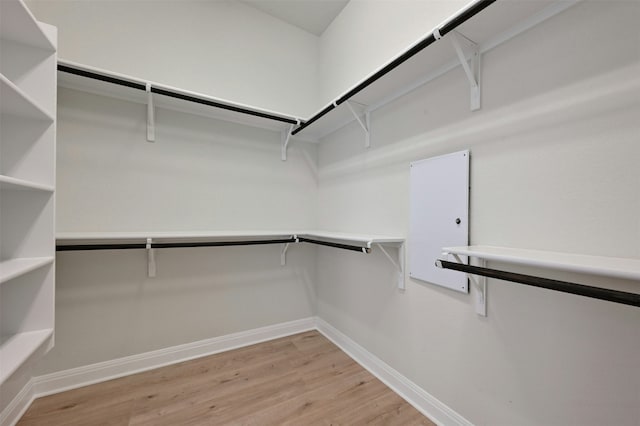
(366, 124)
(285, 138)
(151, 259)
(398, 263)
(151, 122)
(471, 66)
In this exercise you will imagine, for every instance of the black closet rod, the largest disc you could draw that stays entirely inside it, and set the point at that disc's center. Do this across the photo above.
(127, 246)
(336, 245)
(101, 77)
(155, 245)
(84, 247)
(454, 23)
(177, 95)
(616, 296)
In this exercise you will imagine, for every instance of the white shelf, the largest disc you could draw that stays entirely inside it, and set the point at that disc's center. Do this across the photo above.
(616, 267)
(19, 25)
(493, 26)
(14, 101)
(17, 348)
(358, 242)
(10, 183)
(27, 118)
(103, 88)
(69, 238)
(13, 268)
(354, 238)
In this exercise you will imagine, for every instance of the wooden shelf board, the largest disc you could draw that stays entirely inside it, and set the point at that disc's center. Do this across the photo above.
(16, 349)
(616, 267)
(13, 268)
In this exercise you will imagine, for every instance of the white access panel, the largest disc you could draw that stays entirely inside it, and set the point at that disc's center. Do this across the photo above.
(439, 216)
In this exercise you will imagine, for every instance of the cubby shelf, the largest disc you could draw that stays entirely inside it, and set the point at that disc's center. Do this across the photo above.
(614, 267)
(27, 188)
(16, 348)
(13, 268)
(15, 101)
(19, 25)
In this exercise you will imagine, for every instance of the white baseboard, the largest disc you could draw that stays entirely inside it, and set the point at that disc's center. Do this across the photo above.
(103, 371)
(18, 405)
(74, 378)
(424, 402)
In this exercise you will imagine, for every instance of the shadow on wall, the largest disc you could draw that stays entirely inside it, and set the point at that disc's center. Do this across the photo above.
(107, 308)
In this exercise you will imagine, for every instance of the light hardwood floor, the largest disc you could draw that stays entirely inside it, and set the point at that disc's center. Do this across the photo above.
(297, 380)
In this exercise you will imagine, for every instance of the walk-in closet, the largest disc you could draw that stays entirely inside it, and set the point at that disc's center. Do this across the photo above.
(313, 212)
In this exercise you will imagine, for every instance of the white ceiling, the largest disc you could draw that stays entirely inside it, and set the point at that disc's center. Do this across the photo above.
(313, 16)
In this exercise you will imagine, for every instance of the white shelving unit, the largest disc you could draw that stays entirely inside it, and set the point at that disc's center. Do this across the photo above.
(134, 89)
(13, 268)
(611, 267)
(27, 187)
(70, 238)
(82, 238)
(357, 242)
(496, 24)
(113, 85)
(96, 238)
(614, 267)
(17, 102)
(17, 347)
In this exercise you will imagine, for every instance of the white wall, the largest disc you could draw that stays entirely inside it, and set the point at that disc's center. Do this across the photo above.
(554, 166)
(370, 33)
(221, 48)
(200, 174)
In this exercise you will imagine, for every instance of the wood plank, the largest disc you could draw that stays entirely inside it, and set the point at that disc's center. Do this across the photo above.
(299, 379)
